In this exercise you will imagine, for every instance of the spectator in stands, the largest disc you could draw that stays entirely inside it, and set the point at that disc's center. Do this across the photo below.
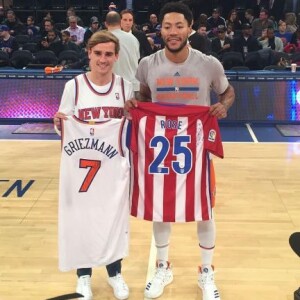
(112, 7)
(119, 5)
(76, 31)
(291, 22)
(14, 24)
(71, 12)
(292, 6)
(269, 40)
(67, 43)
(46, 17)
(158, 41)
(260, 23)
(145, 28)
(283, 34)
(49, 26)
(201, 20)
(221, 43)
(230, 32)
(8, 43)
(94, 27)
(257, 5)
(249, 16)
(2, 14)
(51, 42)
(246, 42)
(214, 21)
(233, 20)
(83, 63)
(202, 31)
(153, 25)
(31, 29)
(275, 24)
(129, 54)
(127, 25)
(7, 3)
(197, 41)
(295, 42)
(153, 46)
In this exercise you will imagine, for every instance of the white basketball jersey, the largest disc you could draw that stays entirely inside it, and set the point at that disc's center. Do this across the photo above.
(93, 193)
(92, 105)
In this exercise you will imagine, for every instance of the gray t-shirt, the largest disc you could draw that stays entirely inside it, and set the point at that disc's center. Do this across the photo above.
(189, 82)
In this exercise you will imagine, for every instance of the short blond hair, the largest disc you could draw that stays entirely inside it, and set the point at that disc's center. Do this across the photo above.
(101, 37)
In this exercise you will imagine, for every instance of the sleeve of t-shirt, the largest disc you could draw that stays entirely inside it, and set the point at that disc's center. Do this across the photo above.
(142, 71)
(219, 81)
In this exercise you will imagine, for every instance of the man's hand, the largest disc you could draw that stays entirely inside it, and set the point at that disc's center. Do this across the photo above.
(56, 119)
(129, 104)
(219, 110)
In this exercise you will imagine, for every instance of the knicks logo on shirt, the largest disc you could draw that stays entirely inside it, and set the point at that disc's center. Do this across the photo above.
(212, 135)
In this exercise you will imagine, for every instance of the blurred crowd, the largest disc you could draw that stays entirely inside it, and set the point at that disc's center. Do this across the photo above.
(251, 34)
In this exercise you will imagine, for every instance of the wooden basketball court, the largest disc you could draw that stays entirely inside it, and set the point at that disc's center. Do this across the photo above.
(258, 207)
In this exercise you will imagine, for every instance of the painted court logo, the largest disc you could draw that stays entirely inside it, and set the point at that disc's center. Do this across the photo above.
(212, 135)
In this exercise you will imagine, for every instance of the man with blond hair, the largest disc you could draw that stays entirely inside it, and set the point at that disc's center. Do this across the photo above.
(98, 235)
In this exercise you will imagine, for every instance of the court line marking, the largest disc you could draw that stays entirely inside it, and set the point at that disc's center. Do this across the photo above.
(251, 132)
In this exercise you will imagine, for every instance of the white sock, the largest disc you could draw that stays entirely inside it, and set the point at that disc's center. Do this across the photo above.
(207, 235)
(162, 232)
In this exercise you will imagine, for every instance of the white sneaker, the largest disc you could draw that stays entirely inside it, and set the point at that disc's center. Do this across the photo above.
(162, 277)
(206, 282)
(84, 287)
(121, 290)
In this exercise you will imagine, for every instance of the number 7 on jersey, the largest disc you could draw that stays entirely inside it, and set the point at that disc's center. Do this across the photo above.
(94, 166)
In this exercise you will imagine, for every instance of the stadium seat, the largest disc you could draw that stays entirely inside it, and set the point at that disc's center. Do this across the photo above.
(4, 59)
(240, 68)
(91, 4)
(58, 4)
(61, 26)
(21, 4)
(258, 60)
(295, 58)
(274, 68)
(281, 55)
(21, 58)
(32, 47)
(67, 57)
(77, 4)
(232, 59)
(22, 39)
(212, 53)
(44, 58)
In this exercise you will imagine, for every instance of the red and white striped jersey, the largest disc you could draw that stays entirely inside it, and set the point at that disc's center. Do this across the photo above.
(171, 165)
